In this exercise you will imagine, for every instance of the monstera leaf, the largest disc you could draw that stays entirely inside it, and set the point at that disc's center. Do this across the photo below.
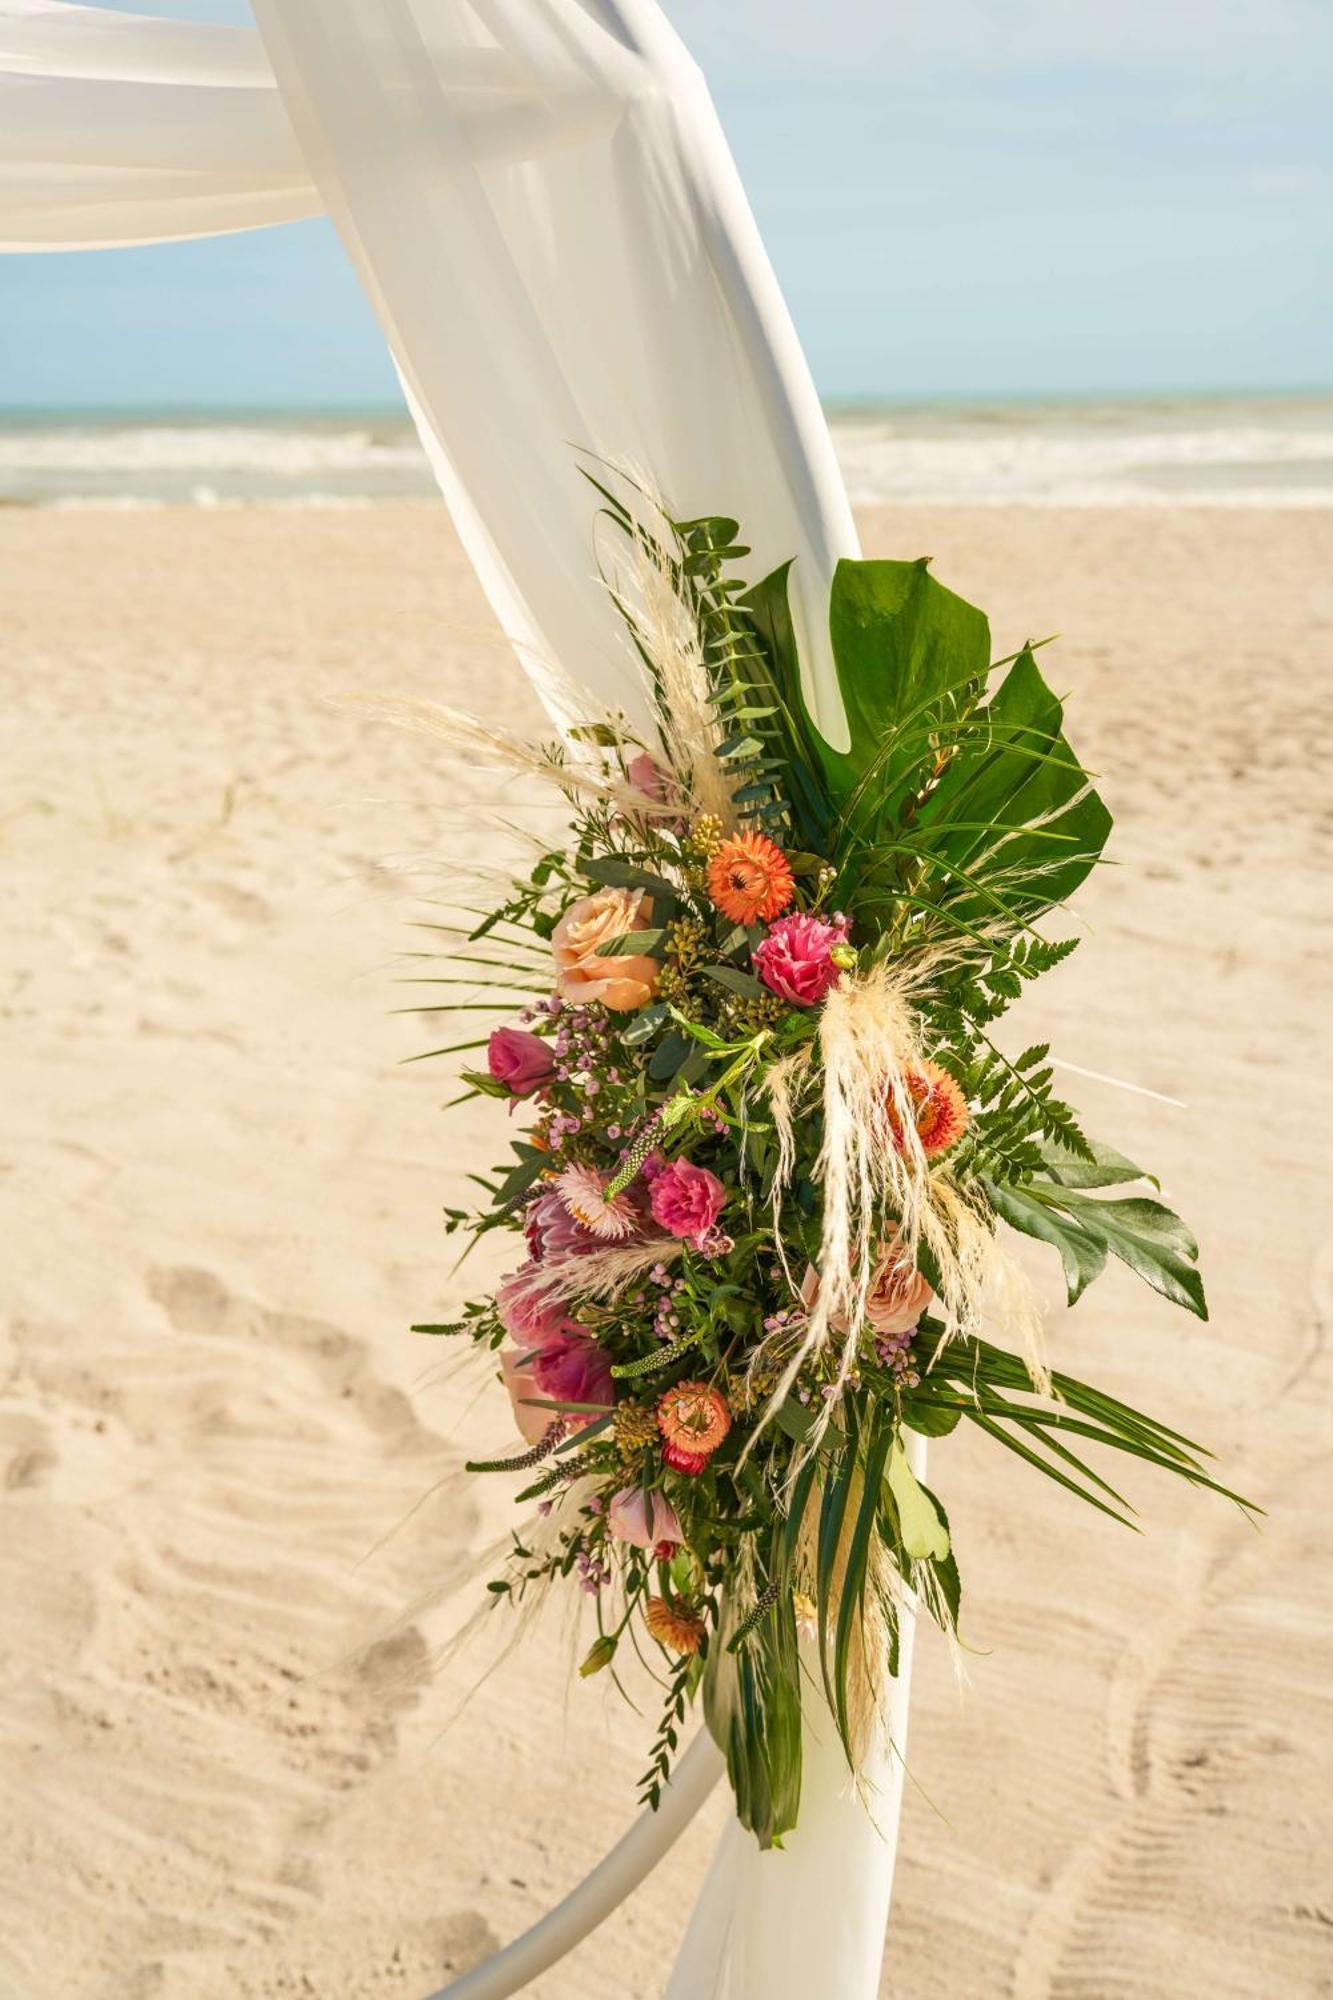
(982, 800)
(1015, 805)
(904, 648)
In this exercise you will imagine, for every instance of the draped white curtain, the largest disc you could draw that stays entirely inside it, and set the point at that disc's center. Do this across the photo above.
(540, 203)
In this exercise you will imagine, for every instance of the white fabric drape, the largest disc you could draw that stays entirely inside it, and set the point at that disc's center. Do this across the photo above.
(541, 206)
(118, 129)
(808, 1922)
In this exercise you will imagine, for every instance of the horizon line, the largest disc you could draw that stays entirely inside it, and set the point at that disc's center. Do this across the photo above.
(834, 405)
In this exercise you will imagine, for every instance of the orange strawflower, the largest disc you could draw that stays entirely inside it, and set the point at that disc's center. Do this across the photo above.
(679, 1629)
(694, 1419)
(939, 1107)
(750, 879)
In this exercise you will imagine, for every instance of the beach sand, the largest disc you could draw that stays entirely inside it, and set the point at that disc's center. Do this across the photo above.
(223, 1745)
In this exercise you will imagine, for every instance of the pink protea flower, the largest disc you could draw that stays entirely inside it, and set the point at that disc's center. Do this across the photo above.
(796, 960)
(610, 1218)
(551, 1230)
(687, 1200)
(572, 1368)
(525, 1313)
(521, 1061)
(647, 1520)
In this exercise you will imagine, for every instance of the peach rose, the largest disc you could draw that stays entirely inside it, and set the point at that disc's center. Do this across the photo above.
(897, 1297)
(581, 936)
(898, 1293)
(519, 1380)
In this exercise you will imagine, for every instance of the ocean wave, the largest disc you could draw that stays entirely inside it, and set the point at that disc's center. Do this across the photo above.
(1239, 454)
(1237, 465)
(136, 450)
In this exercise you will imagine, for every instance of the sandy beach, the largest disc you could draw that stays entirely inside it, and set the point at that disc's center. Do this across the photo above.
(233, 1527)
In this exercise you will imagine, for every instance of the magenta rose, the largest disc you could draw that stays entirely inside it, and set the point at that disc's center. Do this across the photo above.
(796, 961)
(519, 1060)
(572, 1368)
(525, 1313)
(687, 1201)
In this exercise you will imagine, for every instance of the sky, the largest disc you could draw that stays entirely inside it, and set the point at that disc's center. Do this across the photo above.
(962, 198)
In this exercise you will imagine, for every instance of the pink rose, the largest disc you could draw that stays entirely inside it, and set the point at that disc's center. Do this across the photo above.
(687, 1200)
(519, 1060)
(796, 961)
(579, 940)
(525, 1314)
(572, 1368)
(518, 1377)
(645, 1519)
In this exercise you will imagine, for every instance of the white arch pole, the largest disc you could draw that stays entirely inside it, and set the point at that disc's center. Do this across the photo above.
(614, 1878)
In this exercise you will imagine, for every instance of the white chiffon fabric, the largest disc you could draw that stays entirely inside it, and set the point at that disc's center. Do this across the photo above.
(540, 203)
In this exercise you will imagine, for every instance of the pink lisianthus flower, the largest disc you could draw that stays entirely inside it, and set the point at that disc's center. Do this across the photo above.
(687, 1200)
(647, 776)
(525, 1313)
(572, 1368)
(646, 1520)
(796, 960)
(519, 1060)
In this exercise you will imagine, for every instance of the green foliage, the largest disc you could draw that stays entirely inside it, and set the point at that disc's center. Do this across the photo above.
(955, 816)
(679, 1690)
(1018, 1113)
(947, 815)
(992, 1390)
(1145, 1235)
(752, 1705)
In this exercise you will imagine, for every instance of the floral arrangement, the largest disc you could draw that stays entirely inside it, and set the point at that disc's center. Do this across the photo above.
(774, 1145)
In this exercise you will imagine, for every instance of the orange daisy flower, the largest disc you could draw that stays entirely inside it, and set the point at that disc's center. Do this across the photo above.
(939, 1107)
(750, 879)
(693, 1419)
(679, 1629)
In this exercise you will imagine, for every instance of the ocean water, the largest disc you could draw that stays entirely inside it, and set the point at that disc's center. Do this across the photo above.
(1220, 451)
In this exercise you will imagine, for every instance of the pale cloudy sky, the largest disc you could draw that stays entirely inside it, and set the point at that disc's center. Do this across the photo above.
(962, 197)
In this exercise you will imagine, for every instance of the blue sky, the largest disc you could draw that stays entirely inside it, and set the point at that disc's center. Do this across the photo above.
(962, 198)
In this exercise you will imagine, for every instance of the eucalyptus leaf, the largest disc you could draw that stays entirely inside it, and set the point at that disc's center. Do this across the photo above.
(645, 1024)
(735, 980)
(633, 944)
